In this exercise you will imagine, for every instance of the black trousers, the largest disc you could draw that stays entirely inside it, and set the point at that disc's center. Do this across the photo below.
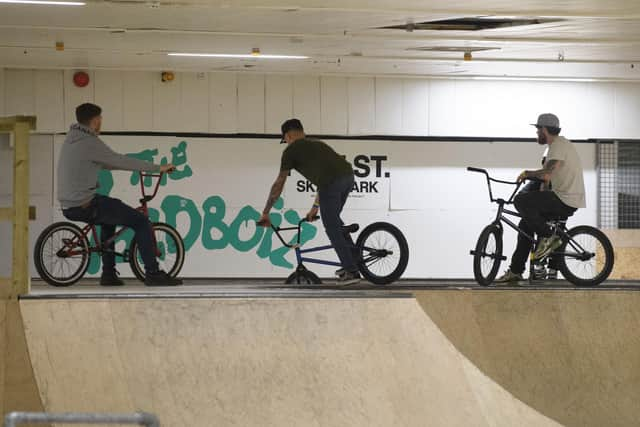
(544, 205)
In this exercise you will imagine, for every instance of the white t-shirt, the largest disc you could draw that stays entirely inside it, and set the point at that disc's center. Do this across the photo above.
(566, 179)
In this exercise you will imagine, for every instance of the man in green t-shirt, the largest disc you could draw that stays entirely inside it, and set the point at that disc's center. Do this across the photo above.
(333, 176)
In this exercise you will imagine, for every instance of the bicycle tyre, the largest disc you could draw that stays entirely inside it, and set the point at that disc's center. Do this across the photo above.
(49, 244)
(171, 236)
(367, 258)
(606, 248)
(483, 259)
(303, 277)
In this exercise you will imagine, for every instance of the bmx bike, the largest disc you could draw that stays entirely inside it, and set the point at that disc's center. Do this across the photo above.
(381, 252)
(63, 250)
(585, 257)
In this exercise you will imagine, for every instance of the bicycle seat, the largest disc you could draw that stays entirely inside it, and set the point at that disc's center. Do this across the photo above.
(558, 218)
(351, 228)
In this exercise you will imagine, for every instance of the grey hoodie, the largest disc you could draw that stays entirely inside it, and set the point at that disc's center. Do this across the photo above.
(83, 155)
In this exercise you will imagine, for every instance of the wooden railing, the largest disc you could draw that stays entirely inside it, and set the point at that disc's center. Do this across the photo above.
(19, 283)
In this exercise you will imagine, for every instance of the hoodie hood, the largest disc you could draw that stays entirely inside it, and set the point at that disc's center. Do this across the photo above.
(78, 132)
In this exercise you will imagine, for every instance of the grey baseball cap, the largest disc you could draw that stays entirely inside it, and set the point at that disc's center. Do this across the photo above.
(547, 120)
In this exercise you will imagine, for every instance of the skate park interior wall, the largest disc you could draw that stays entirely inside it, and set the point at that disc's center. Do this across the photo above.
(429, 195)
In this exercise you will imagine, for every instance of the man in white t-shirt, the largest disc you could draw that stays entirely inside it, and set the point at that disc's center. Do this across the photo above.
(563, 185)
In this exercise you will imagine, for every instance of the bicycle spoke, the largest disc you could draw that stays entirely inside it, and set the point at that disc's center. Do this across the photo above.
(381, 265)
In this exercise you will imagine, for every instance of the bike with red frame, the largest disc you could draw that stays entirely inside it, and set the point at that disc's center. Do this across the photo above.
(63, 250)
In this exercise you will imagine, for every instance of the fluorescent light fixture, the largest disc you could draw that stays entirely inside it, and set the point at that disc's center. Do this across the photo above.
(231, 55)
(535, 79)
(45, 2)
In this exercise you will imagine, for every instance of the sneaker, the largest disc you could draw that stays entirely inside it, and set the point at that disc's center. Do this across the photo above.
(546, 246)
(552, 274)
(110, 278)
(340, 272)
(161, 278)
(508, 277)
(348, 278)
(539, 272)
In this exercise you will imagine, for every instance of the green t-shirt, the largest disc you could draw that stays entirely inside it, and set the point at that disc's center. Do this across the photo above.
(315, 160)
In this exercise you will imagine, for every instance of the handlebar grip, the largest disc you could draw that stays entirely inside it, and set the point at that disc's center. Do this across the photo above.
(306, 220)
(472, 169)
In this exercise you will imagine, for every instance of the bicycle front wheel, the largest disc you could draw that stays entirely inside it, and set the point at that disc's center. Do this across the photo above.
(169, 251)
(61, 254)
(303, 277)
(586, 257)
(383, 253)
(487, 255)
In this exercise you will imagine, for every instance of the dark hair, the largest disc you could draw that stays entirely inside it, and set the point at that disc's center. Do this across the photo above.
(86, 112)
(553, 131)
(291, 124)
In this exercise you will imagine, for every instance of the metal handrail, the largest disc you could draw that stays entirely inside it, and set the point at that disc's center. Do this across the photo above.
(140, 418)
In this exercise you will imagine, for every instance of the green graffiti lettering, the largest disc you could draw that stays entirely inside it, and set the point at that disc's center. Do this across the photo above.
(307, 231)
(105, 182)
(213, 220)
(147, 156)
(264, 250)
(172, 205)
(245, 216)
(179, 158)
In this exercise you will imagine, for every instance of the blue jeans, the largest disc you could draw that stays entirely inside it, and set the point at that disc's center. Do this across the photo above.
(108, 212)
(332, 200)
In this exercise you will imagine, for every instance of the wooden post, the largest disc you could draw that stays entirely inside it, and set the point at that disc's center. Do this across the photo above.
(20, 272)
(20, 281)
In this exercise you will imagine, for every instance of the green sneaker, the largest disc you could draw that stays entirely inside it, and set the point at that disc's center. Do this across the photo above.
(546, 246)
(508, 277)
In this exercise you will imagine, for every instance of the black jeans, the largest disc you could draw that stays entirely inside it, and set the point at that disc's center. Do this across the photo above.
(108, 212)
(523, 248)
(332, 200)
(537, 207)
(524, 245)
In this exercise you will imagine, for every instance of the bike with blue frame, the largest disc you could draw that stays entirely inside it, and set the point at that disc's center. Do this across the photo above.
(381, 252)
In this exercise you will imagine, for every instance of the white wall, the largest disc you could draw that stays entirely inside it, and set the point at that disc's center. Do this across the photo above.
(428, 194)
(256, 103)
(439, 206)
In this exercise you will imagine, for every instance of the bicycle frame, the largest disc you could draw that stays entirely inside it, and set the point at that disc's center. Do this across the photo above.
(300, 252)
(91, 228)
(500, 217)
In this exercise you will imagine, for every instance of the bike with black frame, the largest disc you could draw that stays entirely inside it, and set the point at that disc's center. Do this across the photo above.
(585, 257)
(381, 251)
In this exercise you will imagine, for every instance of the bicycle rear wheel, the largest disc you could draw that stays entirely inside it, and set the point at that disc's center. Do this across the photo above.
(586, 258)
(169, 251)
(61, 254)
(487, 255)
(383, 253)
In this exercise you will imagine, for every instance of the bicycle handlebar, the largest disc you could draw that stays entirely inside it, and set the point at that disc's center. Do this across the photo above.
(148, 197)
(277, 231)
(489, 180)
(472, 169)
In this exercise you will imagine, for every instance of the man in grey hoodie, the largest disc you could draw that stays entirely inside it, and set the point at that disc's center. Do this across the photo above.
(82, 157)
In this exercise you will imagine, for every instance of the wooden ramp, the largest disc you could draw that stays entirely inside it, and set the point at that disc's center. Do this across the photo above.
(444, 358)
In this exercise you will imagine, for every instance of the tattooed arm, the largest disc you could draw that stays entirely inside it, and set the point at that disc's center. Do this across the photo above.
(543, 174)
(313, 212)
(276, 190)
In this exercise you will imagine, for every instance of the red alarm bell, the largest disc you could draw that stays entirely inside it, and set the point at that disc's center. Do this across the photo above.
(81, 79)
